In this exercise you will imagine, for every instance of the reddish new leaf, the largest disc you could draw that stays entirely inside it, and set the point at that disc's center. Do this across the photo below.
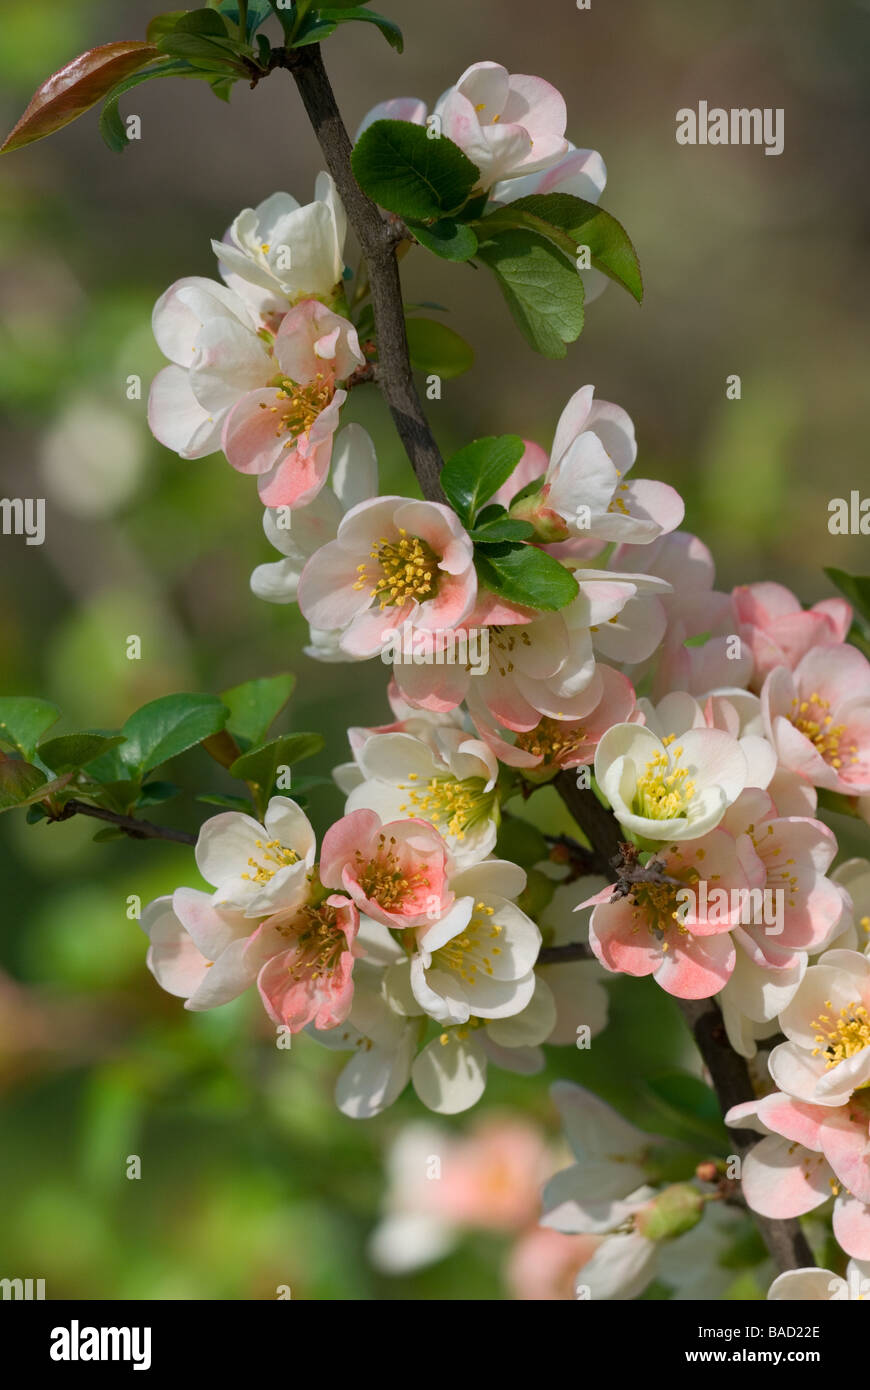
(71, 91)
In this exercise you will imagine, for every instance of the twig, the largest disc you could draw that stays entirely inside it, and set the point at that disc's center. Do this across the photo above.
(136, 829)
(378, 238)
(728, 1071)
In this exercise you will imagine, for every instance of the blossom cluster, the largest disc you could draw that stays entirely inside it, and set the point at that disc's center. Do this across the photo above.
(710, 722)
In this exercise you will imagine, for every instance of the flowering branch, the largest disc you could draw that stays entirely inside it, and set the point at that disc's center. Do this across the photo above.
(136, 829)
(378, 238)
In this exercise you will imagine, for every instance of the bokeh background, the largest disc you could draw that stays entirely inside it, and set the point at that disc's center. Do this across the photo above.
(753, 265)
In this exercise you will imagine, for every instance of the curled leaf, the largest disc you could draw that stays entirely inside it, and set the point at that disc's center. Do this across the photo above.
(76, 87)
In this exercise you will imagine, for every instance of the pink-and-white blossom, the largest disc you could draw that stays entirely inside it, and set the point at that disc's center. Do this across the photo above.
(818, 717)
(394, 561)
(396, 872)
(779, 631)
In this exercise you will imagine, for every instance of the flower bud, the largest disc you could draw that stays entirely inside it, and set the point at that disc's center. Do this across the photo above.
(671, 1214)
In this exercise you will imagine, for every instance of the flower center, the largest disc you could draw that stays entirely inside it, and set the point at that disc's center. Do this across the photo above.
(811, 718)
(467, 954)
(505, 639)
(550, 739)
(456, 804)
(656, 905)
(408, 570)
(384, 880)
(664, 791)
(320, 942)
(844, 1036)
(274, 856)
(299, 406)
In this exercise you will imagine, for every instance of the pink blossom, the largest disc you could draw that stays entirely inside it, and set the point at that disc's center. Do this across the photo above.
(694, 611)
(779, 631)
(393, 561)
(584, 494)
(544, 1264)
(808, 1154)
(306, 977)
(557, 743)
(818, 717)
(283, 430)
(394, 872)
(645, 932)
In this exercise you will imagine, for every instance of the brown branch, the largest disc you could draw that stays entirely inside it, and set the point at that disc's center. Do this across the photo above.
(136, 829)
(378, 237)
(785, 1240)
(562, 955)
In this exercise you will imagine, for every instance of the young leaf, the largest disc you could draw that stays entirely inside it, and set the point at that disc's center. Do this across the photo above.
(434, 347)
(523, 574)
(449, 239)
(255, 705)
(229, 803)
(473, 474)
(111, 126)
(502, 529)
(23, 721)
(202, 21)
(391, 32)
(76, 87)
(259, 768)
(405, 172)
(543, 292)
(168, 726)
(21, 784)
(72, 751)
(18, 780)
(163, 24)
(569, 223)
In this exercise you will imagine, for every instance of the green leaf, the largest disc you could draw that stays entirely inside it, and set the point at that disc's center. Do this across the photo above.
(229, 803)
(155, 793)
(473, 474)
(502, 529)
(72, 751)
(18, 780)
(523, 574)
(391, 32)
(397, 164)
(543, 292)
(75, 88)
(203, 21)
(168, 726)
(569, 223)
(689, 1101)
(258, 13)
(21, 784)
(255, 705)
(313, 30)
(163, 24)
(854, 587)
(259, 767)
(111, 126)
(433, 347)
(452, 240)
(203, 49)
(23, 721)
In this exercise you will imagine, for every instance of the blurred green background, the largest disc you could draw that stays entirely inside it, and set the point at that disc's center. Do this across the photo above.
(753, 265)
